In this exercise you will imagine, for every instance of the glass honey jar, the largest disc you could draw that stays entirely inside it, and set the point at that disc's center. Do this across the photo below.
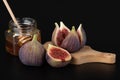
(16, 37)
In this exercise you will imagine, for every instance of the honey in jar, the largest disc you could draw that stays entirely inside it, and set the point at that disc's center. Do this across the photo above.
(16, 37)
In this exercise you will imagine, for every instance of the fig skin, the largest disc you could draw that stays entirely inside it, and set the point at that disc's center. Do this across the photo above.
(62, 31)
(54, 34)
(57, 63)
(72, 40)
(32, 53)
(82, 35)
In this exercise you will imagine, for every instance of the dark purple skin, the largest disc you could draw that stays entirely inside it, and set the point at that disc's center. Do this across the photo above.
(71, 39)
(32, 53)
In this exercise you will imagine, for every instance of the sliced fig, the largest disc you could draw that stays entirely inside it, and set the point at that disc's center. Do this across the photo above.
(65, 31)
(59, 33)
(57, 57)
(55, 35)
(71, 42)
(82, 35)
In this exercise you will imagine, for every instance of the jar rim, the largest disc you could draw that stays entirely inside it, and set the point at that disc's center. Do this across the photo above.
(27, 21)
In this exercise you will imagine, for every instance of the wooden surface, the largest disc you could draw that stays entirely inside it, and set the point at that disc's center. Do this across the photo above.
(89, 55)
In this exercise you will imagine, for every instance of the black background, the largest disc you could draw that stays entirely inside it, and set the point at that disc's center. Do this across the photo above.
(100, 20)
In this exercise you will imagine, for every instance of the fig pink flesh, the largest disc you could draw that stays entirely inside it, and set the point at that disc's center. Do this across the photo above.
(58, 54)
(61, 36)
(64, 33)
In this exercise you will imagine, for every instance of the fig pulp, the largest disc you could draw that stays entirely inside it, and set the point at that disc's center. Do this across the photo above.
(72, 40)
(57, 57)
(32, 52)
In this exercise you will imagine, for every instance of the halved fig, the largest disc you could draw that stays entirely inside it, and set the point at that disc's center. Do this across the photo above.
(70, 40)
(64, 30)
(57, 57)
(59, 33)
(55, 33)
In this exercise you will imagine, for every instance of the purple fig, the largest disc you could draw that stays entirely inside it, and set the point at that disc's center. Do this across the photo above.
(70, 40)
(57, 57)
(32, 52)
(59, 33)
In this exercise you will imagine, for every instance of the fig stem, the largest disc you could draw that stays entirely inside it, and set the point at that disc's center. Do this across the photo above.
(73, 28)
(34, 37)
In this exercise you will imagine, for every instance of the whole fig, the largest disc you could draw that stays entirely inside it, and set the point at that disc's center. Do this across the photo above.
(71, 40)
(32, 53)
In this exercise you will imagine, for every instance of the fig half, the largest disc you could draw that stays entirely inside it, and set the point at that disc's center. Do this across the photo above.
(59, 33)
(57, 57)
(71, 40)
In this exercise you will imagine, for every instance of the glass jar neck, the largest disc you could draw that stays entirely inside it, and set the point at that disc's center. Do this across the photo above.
(27, 26)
